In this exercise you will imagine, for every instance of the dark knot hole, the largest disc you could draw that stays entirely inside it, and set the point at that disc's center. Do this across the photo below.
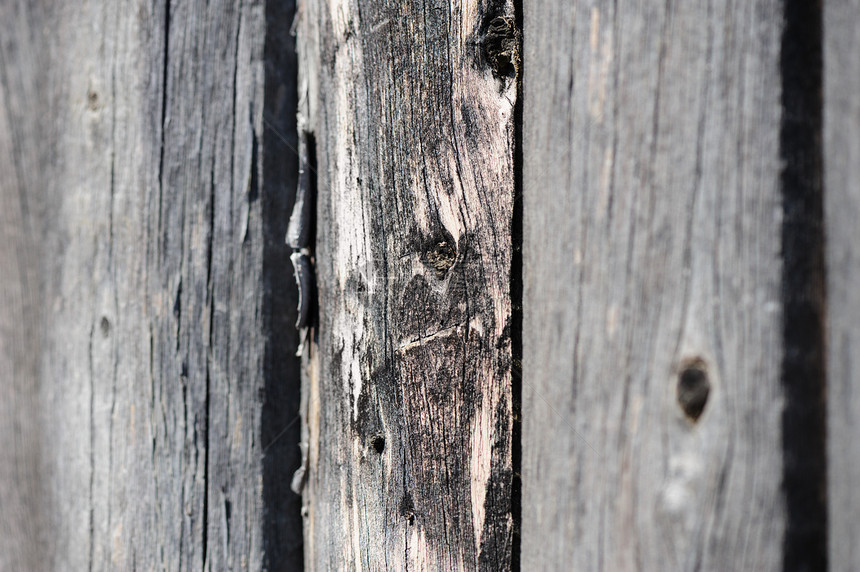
(378, 443)
(693, 388)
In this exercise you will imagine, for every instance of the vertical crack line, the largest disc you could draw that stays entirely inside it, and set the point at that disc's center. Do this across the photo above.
(235, 95)
(112, 160)
(803, 290)
(164, 78)
(211, 309)
(205, 532)
(164, 72)
(516, 293)
(92, 449)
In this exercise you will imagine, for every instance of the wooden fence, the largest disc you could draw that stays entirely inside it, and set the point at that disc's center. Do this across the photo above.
(577, 289)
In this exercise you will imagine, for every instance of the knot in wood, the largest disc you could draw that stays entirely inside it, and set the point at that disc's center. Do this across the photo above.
(93, 103)
(693, 388)
(407, 509)
(442, 257)
(501, 46)
(378, 443)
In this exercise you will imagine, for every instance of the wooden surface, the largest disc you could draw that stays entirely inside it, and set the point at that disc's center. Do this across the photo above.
(653, 268)
(409, 411)
(673, 329)
(22, 530)
(164, 289)
(842, 184)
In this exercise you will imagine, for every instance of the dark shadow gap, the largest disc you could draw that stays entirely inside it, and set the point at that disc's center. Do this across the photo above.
(280, 429)
(803, 290)
(516, 289)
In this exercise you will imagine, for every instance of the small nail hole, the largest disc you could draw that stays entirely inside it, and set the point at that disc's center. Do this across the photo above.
(693, 388)
(407, 509)
(378, 443)
(92, 100)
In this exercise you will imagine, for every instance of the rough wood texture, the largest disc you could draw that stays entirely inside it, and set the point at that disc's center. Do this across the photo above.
(157, 341)
(652, 273)
(409, 410)
(842, 183)
(21, 506)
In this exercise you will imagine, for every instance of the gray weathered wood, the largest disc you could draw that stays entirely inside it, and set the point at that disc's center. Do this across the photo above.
(408, 405)
(842, 184)
(652, 237)
(21, 502)
(156, 349)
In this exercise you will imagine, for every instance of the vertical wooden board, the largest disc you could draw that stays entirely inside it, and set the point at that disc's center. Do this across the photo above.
(651, 264)
(153, 353)
(409, 411)
(842, 205)
(77, 366)
(21, 507)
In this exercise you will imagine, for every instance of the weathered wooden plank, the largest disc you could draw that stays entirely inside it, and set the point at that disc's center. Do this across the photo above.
(842, 184)
(155, 361)
(21, 508)
(409, 410)
(652, 338)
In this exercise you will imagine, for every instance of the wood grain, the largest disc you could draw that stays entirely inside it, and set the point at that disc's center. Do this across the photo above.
(842, 184)
(652, 272)
(22, 510)
(409, 413)
(156, 355)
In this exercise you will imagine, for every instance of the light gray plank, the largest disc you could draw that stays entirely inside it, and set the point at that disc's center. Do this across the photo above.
(652, 237)
(155, 364)
(409, 410)
(22, 525)
(842, 196)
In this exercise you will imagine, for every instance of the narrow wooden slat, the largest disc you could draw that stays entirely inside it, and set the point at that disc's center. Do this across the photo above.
(652, 278)
(842, 196)
(155, 362)
(409, 411)
(22, 525)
